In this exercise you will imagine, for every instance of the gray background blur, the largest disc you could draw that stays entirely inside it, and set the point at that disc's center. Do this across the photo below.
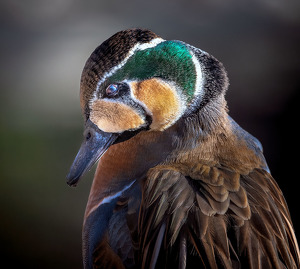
(43, 48)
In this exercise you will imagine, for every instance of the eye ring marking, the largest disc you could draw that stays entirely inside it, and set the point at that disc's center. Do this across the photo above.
(112, 90)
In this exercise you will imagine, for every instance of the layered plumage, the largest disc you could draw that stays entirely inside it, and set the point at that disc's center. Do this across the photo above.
(179, 184)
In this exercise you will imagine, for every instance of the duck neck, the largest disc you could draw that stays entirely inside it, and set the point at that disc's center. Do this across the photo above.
(213, 138)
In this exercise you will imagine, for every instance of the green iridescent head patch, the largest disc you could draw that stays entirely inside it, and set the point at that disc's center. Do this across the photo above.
(169, 60)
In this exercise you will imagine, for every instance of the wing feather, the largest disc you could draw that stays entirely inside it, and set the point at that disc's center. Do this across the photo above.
(226, 219)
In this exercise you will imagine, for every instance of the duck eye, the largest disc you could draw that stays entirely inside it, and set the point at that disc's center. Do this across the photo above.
(112, 90)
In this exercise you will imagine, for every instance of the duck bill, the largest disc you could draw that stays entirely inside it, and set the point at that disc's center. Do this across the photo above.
(95, 144)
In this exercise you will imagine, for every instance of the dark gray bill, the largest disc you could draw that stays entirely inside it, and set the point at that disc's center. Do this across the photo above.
(95, 143)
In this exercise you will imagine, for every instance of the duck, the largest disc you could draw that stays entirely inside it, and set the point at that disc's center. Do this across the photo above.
(178, 184)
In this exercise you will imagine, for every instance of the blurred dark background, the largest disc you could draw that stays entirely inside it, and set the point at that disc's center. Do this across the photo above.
(43, 48)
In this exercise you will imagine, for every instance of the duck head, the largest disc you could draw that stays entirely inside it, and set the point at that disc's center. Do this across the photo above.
(136, 81)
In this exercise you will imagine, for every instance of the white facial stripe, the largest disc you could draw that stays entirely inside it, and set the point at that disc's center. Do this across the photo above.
(153, 43)
(199, 79)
